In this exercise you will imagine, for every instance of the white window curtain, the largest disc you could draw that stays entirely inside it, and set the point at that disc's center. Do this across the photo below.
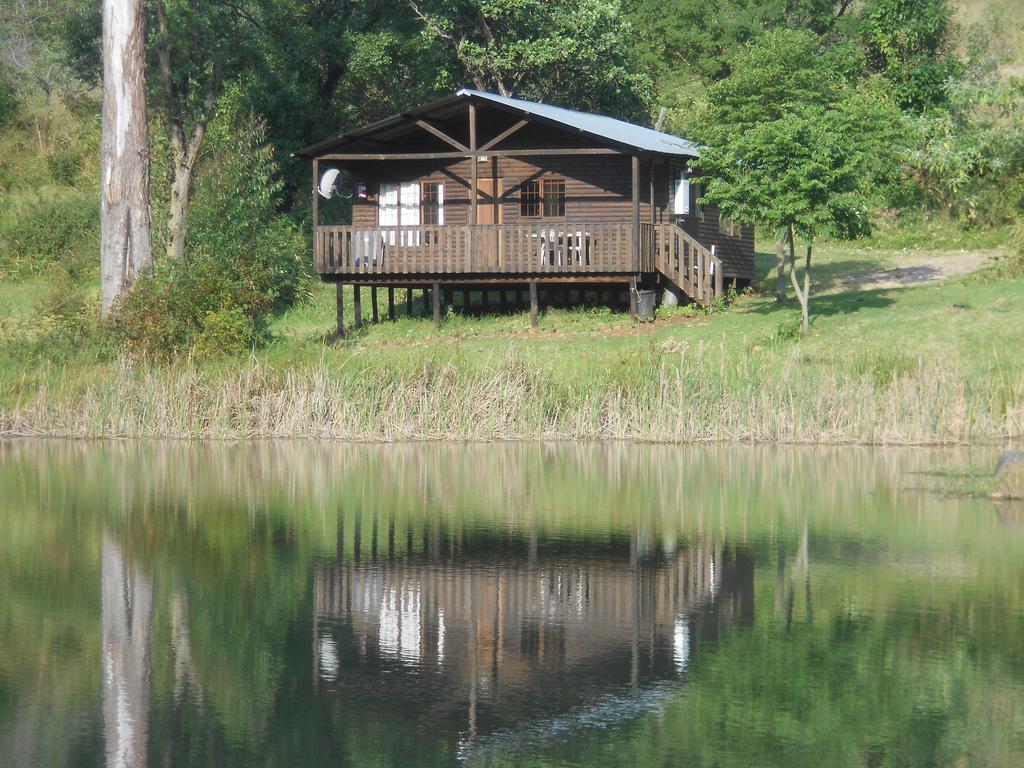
(681, 199)
(387, 210)
(410, 211)
(440, 204)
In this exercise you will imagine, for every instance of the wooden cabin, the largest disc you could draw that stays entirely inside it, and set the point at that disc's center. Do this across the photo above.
(484, 192)
(506, 636)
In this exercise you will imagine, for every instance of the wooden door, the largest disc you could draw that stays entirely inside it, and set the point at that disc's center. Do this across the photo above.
(489, 211)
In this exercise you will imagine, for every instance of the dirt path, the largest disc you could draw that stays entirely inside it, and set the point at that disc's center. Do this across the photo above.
(916, 268)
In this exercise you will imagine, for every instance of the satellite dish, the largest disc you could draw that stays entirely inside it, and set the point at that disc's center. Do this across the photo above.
(328, 180)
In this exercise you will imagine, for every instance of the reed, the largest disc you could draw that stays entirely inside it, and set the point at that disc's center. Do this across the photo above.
(697, 394)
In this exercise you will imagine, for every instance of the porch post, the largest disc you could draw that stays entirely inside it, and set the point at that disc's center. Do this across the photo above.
(357, 307)
(533, 303)
(316, 212)
(473, 160)
(373, 304)
(636, 213)
(474, 188)
(436, 298)
(391, 302)
(654, 219)
(341, 312)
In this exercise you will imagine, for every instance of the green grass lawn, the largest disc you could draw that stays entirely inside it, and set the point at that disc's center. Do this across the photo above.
(964, 319)
(937, 362)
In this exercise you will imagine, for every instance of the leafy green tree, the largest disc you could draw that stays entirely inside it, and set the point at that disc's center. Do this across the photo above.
(195, 46)
(326, 65)
(907, 42)
(576, 52)
(782, 70)
(793, 147)
(683, 42)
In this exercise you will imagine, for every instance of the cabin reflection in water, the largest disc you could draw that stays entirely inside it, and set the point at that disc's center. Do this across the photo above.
(492, 634)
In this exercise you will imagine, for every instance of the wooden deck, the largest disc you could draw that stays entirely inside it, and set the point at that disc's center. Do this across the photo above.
(550, 251)
(509, 249)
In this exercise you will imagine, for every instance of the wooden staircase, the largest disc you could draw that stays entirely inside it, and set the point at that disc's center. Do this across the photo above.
(688, 264)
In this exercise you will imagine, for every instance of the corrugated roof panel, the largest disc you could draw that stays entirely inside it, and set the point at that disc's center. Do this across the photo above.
(596, 126)
(600, 126)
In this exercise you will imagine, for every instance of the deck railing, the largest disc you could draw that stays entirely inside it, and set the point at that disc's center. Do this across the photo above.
(535, 248)
(688, 264)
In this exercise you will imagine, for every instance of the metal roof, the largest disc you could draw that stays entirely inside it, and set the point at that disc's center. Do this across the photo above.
(599, 127)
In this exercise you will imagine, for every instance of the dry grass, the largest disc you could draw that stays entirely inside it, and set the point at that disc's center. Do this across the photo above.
(665, 396)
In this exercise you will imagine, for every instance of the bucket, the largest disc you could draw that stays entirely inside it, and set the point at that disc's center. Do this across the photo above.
(645, 306)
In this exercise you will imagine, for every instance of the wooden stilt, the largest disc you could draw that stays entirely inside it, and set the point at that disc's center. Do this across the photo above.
(357, 308)
(408, 302)
(632, 299)
(341, 311)
(484, 304)
(391, 303)
(533, 303)
(373, 305)
(426, 300)
(436, 295)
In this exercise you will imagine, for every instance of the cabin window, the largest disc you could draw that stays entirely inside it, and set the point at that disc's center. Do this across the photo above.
(432, 203)
(728, 227)
(398, 205)
(529, 199)
(542, 198)
(554, 198)
(681, 198)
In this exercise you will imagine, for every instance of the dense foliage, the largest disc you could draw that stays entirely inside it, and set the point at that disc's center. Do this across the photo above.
(244, 261)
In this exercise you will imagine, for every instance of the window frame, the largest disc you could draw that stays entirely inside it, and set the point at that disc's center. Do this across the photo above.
(432, 208)
(542, 195)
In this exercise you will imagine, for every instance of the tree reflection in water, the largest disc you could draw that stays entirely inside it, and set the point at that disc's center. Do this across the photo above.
(319, 604)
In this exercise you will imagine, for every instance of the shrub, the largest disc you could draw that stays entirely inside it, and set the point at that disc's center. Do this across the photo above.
(225, 331)
(243, 263)
(65, 166)
(49, 228)
(10, 104)
(57, 329)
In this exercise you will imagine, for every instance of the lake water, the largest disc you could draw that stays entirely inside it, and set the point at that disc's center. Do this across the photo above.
(307, 604)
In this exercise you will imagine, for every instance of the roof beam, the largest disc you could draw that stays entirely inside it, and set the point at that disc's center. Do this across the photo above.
(504, 135)
(442, 135)
(467, 153)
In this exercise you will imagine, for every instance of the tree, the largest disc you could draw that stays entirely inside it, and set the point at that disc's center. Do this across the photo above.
(576, 52)
(680, 41)
(768, 78)
(907, 42)
(794, 148)
(125, 246)
(195, 46)
(323, 65)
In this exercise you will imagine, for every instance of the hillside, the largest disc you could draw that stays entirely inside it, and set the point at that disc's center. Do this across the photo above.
(1005, 21)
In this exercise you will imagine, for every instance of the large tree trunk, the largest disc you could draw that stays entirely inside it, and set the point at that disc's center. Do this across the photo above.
(125, 245)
